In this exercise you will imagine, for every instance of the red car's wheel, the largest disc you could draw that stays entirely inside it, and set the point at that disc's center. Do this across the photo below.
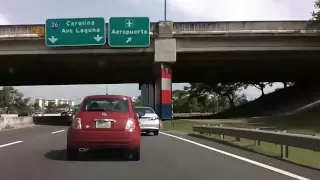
(72, 154)
(135, 154)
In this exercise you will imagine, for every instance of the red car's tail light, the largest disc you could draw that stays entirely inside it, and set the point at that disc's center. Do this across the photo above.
(130, 125)
(76, 123)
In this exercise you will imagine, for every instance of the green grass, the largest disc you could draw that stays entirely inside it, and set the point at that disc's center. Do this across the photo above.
(297, 155)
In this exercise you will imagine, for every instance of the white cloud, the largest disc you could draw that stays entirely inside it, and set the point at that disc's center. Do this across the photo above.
(230, 10)
(4, 19)
(236, 10)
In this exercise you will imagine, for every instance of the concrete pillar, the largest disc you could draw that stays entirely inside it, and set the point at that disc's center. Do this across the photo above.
(144, 94)
(147, 95)
(151, 98)
(165, 84)
(164, 57)
(157, 91)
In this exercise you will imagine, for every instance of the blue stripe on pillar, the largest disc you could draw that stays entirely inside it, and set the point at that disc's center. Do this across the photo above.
(166, 112)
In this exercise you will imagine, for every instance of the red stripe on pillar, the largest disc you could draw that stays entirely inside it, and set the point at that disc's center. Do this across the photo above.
(166, 97)
(165, 74)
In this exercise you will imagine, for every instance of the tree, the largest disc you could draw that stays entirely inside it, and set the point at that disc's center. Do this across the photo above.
(51, 107)
(137, 102)
(261, 86)
(229, 90)
(36, 106)
(316, 14)
(12, 99)
(180, 101)
(21, 103)
(241, 99)
(202, 93)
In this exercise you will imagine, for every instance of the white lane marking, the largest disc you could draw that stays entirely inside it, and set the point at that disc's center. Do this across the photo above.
(240, 158)
(9, 144)
(54, 132)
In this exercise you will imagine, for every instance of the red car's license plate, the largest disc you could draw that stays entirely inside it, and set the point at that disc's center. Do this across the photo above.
(103, 124)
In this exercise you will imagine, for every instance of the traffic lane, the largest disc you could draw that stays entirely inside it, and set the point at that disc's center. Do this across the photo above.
(284, 165)
(162, 157)
(21, 134)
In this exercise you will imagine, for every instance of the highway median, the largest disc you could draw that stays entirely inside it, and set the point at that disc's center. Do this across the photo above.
(15, 122)
(52, 120)
(12, 122)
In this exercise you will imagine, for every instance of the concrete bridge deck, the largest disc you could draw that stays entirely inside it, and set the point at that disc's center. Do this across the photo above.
(270, 51)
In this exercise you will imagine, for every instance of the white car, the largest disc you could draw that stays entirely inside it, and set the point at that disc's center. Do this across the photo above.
(38, 114)
(149, 120)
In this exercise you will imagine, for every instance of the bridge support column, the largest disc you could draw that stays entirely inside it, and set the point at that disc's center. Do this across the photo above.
(163, 92)
(164, 57)
(151, 100)
(147, 95)
(144, 94)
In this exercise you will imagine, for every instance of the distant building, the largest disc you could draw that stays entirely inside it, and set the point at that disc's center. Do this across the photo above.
(65, 101)
(41, 102)
(45, 102)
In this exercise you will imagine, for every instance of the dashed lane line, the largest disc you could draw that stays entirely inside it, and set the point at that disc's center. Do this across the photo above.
(10, 144)
(55, 132)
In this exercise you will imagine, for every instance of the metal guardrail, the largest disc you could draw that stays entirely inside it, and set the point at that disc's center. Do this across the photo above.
(190, 114)
(282, 138)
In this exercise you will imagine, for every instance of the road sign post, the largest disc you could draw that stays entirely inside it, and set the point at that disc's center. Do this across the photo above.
(75, 32)
(129, 32)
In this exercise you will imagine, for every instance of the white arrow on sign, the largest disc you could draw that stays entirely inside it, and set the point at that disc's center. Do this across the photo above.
(53, 39)
(97, 38)
(129, 39)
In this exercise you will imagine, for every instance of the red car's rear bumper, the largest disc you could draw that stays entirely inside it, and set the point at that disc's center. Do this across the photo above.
(103, 140)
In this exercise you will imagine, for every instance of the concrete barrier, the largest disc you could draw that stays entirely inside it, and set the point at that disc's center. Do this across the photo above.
(10, 122)
(9, 115)
(16, 115)
(15, 122)
(52, 120)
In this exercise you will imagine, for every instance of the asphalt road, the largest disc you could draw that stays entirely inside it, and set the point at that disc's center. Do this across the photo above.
(37, 153)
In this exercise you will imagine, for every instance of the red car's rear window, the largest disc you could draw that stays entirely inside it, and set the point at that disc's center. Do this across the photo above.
(105, 105)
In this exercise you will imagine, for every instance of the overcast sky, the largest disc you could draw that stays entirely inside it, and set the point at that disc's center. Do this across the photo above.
(37, 11)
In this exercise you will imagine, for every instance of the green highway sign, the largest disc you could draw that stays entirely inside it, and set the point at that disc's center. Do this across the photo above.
(129, 32)
(75, 32)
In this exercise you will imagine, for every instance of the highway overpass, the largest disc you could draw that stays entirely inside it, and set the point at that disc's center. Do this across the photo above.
(270, 51)
(193, 51)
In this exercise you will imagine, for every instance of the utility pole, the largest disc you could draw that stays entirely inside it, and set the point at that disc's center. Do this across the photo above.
(106, 88)
(165, 10)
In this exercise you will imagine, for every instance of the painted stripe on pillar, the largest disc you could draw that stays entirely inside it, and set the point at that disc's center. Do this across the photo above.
(166, 97)
(166, 84)
(166, 92)
(166, 111)
(165, 72)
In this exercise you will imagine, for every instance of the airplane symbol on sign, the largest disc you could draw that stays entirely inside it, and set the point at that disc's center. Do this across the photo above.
(129, 23)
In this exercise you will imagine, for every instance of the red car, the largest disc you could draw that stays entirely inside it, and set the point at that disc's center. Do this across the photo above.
(105, 122)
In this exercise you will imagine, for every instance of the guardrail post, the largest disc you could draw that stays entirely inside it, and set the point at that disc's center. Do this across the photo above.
(202, 132)
(284, 149)
(221, 135)
(257, 142)
(172, 117)
(209, 134)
